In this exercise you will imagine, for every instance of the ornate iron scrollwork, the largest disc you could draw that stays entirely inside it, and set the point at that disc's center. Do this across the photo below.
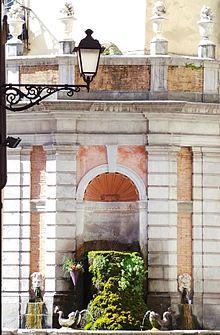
(33, 94)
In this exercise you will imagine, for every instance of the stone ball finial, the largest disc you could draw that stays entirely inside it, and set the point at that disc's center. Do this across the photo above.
(159, 9)
(206, 13)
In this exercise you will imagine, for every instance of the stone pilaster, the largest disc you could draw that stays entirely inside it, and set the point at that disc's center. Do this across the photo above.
(16, 242)
(184, 211)
(161, 224)
(37, 203)
(159, 77)
(61, 222)
(206, 232)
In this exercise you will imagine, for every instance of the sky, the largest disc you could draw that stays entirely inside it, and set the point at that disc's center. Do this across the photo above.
(121, 22)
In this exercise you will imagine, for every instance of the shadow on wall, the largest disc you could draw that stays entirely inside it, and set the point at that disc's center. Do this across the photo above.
(40, 34)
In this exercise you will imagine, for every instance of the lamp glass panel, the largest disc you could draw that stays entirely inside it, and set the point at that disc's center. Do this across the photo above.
(89, 61)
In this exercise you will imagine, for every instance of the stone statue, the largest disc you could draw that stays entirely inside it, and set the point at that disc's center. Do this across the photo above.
(159, 9)
(157, 323)
(16, 12)
(37, 286)
(67, 10)
(206, 14)
(73, 320)
(184, 287)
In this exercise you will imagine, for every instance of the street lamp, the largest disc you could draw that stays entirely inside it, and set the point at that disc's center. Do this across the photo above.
(88, 54)
(12, 95)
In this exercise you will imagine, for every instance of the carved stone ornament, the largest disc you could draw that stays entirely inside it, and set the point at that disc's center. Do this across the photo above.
(67, 20)
(67, 10)
(37, 280)
(206, 13)
(15, 21)
(206, 22)
(184, 282)
(158, 18)
(158, 9)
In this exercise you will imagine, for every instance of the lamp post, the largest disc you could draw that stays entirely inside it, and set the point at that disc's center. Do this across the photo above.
(19, 97)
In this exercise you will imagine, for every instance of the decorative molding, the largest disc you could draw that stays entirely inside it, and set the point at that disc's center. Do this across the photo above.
(103, 169)
(111, 157)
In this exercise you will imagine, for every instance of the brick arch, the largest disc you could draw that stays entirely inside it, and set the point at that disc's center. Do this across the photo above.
(111, 187)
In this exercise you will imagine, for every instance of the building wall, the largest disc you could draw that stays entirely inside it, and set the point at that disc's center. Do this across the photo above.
(133, 36)
(181, 25)
(173, 134)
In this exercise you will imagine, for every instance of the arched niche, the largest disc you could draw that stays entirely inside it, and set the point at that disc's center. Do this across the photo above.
(111, 210)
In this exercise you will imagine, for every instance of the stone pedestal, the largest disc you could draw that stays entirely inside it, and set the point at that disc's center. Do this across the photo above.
(66, 47)
(159, 47)
(206, 49)
(14, 48)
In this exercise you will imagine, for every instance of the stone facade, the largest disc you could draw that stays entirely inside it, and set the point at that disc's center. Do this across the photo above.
(168, 149)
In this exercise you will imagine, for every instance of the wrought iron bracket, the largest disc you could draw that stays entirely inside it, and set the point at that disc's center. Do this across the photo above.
(33, 94)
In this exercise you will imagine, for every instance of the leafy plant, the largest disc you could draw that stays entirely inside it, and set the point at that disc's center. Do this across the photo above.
(118, 300)
(71, 264)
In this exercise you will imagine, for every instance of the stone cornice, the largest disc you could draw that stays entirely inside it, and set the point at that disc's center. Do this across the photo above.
(145, 107)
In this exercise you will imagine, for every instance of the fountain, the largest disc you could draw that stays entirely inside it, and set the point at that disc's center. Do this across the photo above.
(186, 320)
(74, 320)
(36, 311)
(158, 323)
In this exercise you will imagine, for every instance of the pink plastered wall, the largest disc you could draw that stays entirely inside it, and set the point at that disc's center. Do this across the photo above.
(132, 157)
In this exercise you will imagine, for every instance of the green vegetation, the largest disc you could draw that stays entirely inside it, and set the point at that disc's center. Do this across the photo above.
(193, 66)
(118, 279)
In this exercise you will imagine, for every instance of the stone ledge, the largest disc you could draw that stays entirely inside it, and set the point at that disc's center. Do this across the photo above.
(104, 332)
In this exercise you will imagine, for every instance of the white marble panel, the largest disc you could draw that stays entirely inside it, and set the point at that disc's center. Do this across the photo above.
(161, 232)
(11, 218)
(68, 164)
(211, 286)
(212, 193)
(51, 166)
(162, 286)
(162, 219)
(162, 180)
(10, 285)
(51, 191)
(66, 191)
(51, 178)
(162, 206)
(162, 245)
(211, 206)
(211, 219)
(11, 205)
(66, 178)
(9, 271)
(10, 304)
(211, 273)
(162, 259)
(63, 218)
(212, 245)
(212, 181)
(65, 205)
(66, 245)
(65, 231)
(10, 244)
(51, 205)
(158, 192)
(211, 260)
(11, 231)
(212, 233)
